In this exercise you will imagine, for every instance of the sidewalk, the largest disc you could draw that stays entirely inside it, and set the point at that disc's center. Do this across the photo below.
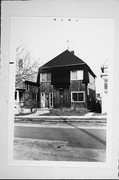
(89, 117)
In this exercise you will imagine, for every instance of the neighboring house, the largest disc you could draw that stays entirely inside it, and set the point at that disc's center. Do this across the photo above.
(19, 98)
(104, 76)
(25, 91)
(26, 97)
(98, 103)
(67, 82)
(31, 98)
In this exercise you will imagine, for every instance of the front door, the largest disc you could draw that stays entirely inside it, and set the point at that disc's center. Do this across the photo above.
(46, 100)
(61, 98)
(42, 100)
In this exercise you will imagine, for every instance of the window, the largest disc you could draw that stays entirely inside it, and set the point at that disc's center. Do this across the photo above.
(91, 79)
(77, 96)
(20, 95)
(45, 77)
(77, 75)
(34, 96)
(15, 95)
(91, 83)
(51, 99)
(105, 84)
(27, 87)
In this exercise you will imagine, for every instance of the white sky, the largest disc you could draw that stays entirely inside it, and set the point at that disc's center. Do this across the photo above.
(90, 38)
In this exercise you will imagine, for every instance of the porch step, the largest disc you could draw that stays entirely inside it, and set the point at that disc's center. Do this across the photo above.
(89, 114)
(42, 111)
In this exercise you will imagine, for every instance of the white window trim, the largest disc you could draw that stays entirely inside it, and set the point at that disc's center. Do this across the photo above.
(42, 96)
(77, 92)
(77, 75)
(44, 81)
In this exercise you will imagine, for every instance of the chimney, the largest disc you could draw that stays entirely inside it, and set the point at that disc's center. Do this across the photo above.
(72, 52)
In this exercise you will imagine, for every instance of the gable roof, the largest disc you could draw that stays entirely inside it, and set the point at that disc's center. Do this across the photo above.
(64, 59)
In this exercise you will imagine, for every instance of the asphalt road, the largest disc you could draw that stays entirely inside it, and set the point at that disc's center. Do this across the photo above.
(76, 137)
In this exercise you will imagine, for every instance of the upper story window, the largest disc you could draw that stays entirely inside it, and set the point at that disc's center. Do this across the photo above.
(105, 84)
(91, 83)
(15, 95)
(77, 75)
(45, 77)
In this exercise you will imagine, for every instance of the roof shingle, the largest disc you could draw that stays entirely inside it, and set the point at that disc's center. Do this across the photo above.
(64, 59)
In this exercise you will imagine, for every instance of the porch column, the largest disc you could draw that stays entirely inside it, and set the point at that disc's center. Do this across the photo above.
(17, 96)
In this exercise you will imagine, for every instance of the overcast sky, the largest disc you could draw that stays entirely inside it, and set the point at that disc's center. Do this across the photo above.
(90, 38)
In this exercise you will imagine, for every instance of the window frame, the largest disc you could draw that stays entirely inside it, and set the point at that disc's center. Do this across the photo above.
(51, 99)
(105, 85)
(15, 97)
(27, 87)
(77, 92)
(73, 79)
(34, 96)
(47, 78)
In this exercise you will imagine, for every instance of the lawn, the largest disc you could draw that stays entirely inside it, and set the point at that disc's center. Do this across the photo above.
(64, 112)
(34, 149)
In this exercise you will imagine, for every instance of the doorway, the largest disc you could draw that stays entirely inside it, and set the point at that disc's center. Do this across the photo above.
(46, 100)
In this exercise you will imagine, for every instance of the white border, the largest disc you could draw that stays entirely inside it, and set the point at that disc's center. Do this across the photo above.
(95, 9)
(71, 78)
(78, 92)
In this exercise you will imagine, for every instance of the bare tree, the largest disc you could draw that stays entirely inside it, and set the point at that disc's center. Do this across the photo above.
(26, 69)
(26, 66)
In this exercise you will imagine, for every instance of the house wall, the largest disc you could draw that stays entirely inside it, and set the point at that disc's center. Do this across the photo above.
(62, 96)
(61, 85)
(91, 99)
(79, 86)
(91, 93)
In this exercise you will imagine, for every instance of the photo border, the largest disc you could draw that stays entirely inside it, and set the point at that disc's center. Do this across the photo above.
(51, 9)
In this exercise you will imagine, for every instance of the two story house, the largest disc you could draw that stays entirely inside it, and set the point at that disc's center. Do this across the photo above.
(67, 82)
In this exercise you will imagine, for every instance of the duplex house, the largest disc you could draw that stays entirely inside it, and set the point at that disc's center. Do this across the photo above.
(66, 82)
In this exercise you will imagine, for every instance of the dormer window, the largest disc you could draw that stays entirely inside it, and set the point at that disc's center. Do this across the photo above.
(77, 75)
(45, 77)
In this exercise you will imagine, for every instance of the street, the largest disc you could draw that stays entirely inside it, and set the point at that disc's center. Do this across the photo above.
(75, 136)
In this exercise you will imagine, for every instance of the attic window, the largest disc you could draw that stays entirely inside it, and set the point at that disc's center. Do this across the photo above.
(77, 75)
(45, 77)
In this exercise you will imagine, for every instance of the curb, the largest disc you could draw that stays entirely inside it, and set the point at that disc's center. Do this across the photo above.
(61, 119)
